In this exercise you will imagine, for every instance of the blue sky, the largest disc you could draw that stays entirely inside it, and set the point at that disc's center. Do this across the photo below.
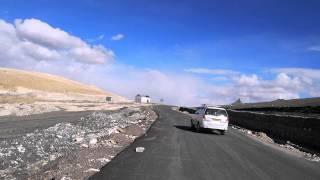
(251, 37)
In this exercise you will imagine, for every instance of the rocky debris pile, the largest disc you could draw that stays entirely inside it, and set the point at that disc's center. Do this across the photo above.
(26, 155)
(287, 145)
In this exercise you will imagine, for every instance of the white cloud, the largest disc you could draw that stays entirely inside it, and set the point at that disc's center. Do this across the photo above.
(86, 54)
(308, 78)
(288, 83)
(34, 45)
(299, 72)
(117, 37)
(34, 40)
(211, 71)
(180, 89)
(245, 80)
(220, 78)
(36, 51)
(42, 33)
(186, 89)
(313, 48)
(252, 88)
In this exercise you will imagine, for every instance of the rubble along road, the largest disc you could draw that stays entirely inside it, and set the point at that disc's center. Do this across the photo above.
(67, 145)
(173, 151)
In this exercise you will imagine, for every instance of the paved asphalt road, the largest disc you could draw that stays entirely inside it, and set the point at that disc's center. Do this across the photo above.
(173, 151)
(13, 126)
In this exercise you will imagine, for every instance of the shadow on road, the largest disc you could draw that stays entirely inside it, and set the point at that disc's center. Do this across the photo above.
(204, 131)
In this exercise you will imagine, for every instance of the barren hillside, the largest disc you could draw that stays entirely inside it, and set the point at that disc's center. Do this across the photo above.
(11, 79)
(24, 92)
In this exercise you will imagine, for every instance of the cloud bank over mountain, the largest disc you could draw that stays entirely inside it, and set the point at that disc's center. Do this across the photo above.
(32, 44)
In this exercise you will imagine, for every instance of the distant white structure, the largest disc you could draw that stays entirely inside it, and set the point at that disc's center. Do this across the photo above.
(142, 99)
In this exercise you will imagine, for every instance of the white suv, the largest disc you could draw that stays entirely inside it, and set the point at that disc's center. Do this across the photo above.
(210, 118)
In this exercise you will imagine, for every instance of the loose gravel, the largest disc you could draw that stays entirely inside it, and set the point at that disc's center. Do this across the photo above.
(25, 156)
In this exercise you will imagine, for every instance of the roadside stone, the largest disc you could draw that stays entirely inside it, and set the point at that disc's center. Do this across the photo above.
(140, 149)
(131, 136)
(264, 137)
(58, 136)
(84, 145)
(65, 178)
(78, 139)
(121, 130)
(93, 141)
(21, 149)
(92, 170)
(103, 160)
(113, 141)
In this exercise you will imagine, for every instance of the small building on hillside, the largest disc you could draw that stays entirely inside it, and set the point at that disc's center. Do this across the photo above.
(109, 99)
(142, 99)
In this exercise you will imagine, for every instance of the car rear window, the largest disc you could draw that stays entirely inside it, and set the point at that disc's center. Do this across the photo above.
(216, 112)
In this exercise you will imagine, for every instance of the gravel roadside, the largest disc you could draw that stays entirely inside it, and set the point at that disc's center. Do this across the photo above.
(73, 150)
